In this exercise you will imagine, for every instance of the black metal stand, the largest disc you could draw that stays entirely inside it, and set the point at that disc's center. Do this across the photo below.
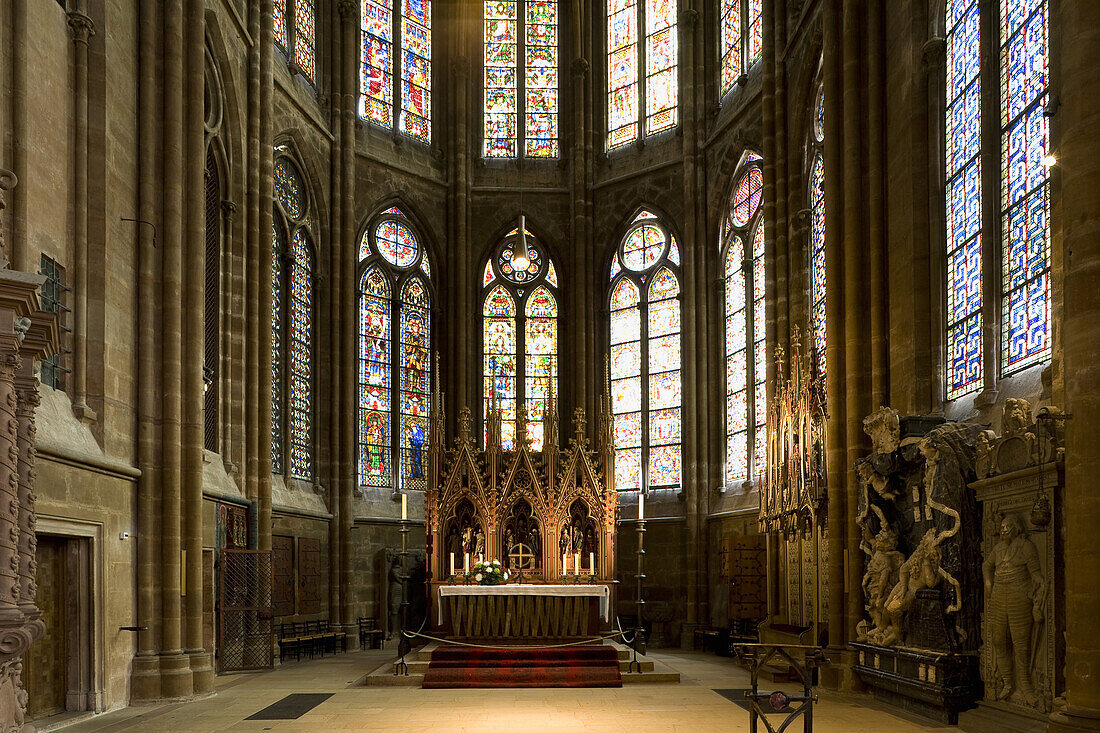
(638, 643)
(757, 656)
(404, 646)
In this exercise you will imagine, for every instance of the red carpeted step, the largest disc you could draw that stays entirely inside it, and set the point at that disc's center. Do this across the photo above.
(576, 666)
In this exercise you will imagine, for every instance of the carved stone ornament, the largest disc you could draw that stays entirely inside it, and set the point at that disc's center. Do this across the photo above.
(1024, 442)
(884, 428)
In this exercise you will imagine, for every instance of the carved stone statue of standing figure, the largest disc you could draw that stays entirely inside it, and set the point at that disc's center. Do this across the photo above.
(921, 570)
(394, 597)
(1015, 591)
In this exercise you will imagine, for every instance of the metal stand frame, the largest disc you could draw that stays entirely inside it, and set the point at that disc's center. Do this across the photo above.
(638, 642)
(758, 655)
(404, 646)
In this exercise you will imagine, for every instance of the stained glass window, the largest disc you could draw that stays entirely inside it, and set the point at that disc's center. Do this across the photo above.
(645, 358)
(641, 67)
(964, 199)
(746, 355)
(394, 354)
(520, 332)
(521, 78)
(292, 308)
(817, 262)
(741, 38)
(300, 371)
(295, 30)
(1025, 187)
(396, 64)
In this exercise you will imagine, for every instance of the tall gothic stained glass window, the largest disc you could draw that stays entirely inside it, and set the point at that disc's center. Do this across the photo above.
(818, 330)
(1025, 186)
(645, 357)
(642, 83)
(521, 78)
(292, 324)
(520, 336)
(746, 359)
(394, 354)
(295, 24)
(396, 64)
(964, 199)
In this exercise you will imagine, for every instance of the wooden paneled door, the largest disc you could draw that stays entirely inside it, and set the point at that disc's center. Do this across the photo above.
(46, 665)
(748, 577)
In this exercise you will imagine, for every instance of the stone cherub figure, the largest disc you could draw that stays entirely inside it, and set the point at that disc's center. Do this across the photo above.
(881, 577)
(921, 570)
(868, 476)
(1015, 593)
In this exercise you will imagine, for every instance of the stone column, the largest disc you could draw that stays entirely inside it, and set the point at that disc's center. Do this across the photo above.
(1077, 146)
(266, 177)
(82, 29)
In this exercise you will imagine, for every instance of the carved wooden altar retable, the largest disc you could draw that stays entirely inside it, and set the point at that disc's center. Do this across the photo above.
(548, 516)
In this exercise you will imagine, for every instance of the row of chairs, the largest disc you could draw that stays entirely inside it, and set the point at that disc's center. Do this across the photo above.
(309, 637)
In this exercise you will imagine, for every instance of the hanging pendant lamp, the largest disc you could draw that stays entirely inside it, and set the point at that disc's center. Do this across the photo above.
(521, 256)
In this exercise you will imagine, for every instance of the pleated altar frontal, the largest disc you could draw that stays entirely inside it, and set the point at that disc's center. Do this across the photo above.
(523, 611)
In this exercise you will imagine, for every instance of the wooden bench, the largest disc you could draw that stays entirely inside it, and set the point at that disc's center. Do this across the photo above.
(369, 633)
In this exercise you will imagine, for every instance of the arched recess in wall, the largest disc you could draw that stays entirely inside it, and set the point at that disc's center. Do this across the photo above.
(645, 355)
(293, 348)
(521, 327)
(742, 252)
(396, 297)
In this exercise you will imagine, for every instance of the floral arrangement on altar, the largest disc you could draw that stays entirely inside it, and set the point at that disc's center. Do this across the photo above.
(488, 572)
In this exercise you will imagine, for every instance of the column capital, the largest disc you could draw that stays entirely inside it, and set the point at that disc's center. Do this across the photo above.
(229, 210)
(81, 26)
(347, 9)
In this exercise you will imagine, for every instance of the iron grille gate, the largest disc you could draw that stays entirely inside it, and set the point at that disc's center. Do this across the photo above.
(245, 634)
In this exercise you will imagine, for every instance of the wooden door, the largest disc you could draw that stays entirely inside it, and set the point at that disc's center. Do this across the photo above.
(46, 665)
(282, 562)
(748, 577)
(309, 576)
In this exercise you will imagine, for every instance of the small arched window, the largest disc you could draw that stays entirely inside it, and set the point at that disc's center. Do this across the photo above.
(394, 354)
(292, 312)
(645, 357)
(816, 196)
(519, 286)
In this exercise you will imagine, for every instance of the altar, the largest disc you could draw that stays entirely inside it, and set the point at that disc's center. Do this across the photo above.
(545, 513)
(535, 611)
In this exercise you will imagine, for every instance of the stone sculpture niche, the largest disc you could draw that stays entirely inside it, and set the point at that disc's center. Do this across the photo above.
(921, 531)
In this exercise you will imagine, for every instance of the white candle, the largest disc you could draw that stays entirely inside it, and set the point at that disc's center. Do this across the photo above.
(452, 564)
(404, 506)
(564, 564)
(591, 563)
(480, 557)
(576, 563)
(641, 506)
(466, 563)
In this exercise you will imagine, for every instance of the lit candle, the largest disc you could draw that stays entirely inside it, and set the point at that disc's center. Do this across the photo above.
(404, 506)
(576, 563)
(641, 506)
(452, 564)
(480, 557)
(564, 564)
(466, 563)
(591, 563)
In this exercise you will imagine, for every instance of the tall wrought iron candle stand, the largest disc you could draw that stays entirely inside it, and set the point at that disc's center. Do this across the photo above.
(404, 646)
(638, 643)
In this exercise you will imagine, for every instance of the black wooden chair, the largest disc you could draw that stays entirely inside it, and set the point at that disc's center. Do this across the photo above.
(369, 633)
(289, 643)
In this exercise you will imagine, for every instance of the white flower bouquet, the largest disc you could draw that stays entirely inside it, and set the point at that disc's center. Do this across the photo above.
(487, 572)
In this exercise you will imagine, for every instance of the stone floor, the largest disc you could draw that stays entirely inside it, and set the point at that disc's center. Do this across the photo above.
(691, 706)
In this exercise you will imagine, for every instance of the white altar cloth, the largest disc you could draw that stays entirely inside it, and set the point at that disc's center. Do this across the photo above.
(603, 592)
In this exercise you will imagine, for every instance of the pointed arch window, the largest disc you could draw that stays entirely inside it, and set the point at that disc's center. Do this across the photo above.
(396, 64)
(394, 354)
(519, 334)
(521, 78)
(292, 346)
(1021, 30)
(746, 354)
(645, 357)
(742, 38)
(642, 82)
(295, 27)
(816, 197)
